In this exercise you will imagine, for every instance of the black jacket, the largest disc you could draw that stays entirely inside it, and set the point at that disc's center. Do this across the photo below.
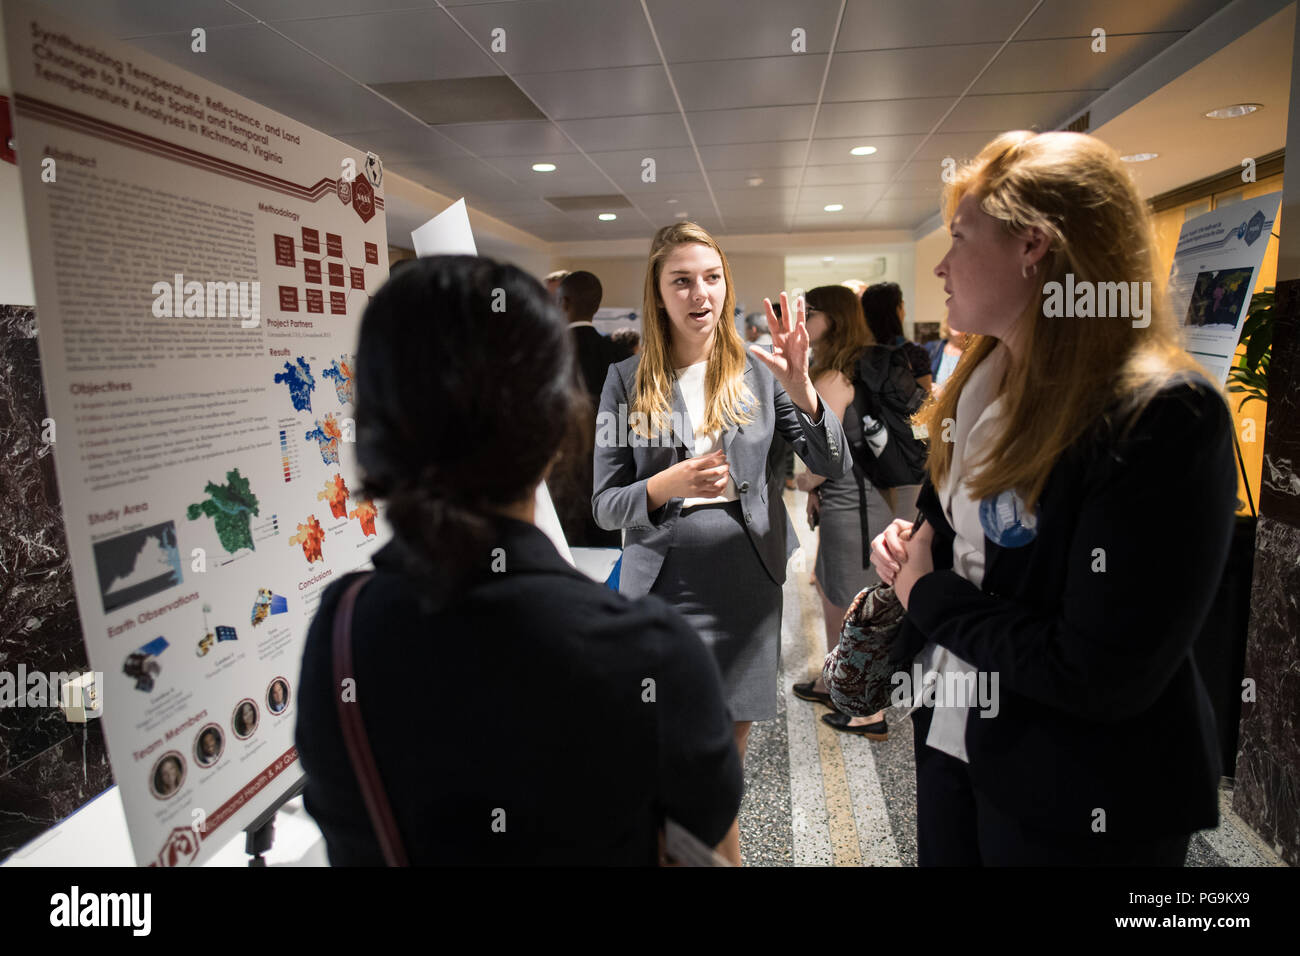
(1101, 706)
(526, 704)
(594, 353)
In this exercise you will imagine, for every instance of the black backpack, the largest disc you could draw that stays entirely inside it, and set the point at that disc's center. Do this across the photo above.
(884, 389)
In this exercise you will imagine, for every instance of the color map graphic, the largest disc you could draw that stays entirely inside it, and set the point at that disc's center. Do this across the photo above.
(229, 506)
(310, 536)
(365, 513)
(327, 434)
(300, 382)
(340, 371)
(336, 493)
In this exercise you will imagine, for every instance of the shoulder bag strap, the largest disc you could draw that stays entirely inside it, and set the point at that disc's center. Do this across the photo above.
(354, 732)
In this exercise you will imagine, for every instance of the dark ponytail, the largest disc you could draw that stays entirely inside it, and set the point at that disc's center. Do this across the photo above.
(465, 392)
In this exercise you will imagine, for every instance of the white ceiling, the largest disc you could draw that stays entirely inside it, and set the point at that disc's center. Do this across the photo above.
(709, 89)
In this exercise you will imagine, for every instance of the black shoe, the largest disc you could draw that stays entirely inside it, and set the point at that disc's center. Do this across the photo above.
(877, 731)
(805, 691)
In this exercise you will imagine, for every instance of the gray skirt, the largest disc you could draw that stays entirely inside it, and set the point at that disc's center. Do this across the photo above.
(712, 575)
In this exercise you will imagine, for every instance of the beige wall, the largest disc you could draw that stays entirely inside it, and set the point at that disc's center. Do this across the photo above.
(927, 302)
(623, 278)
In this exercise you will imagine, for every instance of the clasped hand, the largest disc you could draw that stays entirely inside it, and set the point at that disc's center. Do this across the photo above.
(902, 557)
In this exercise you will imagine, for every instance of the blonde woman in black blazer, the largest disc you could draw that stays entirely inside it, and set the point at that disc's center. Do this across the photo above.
(1077, 524)
(682, 442)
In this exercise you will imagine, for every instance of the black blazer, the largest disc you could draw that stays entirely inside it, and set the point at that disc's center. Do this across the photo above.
(1101, 705)
(581, 716)
(594, 352)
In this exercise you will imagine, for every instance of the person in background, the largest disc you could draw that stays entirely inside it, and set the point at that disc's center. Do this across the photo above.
(472, 602)
(944, 353)
(756, 331)
(626, 342)
(686, 474)
(570, 484)
(579, 298)
(847, 512)
(553, 281)
(882, 304)
(1076, 528)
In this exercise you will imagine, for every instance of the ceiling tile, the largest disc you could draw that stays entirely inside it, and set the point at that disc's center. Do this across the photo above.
(575, 94)
(618, 162)
(759, 125)
(772, 176)
(1013, 111)
(649, 132)
(745, 156)
(691, 30)
(545, 35)
(275, 11)
(900, 74)
(537, 138)
(393, 47)
(863, 119)
(134, 18)
(766, 81)
(1065, 18)
(1045, 65)
(839, 174)
(888, 149)
(959, 146)
(870, 25)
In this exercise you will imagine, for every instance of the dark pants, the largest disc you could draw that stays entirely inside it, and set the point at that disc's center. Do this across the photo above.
(958, 826)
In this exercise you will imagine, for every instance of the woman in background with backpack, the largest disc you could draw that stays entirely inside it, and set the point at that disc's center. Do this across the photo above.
(848, 511)
(882, 305)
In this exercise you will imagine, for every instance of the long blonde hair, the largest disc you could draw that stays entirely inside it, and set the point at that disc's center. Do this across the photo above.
(726, 397)
(1071, 370)
(846, 336)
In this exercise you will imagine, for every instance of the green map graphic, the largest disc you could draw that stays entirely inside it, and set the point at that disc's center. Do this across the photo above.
(229, 507)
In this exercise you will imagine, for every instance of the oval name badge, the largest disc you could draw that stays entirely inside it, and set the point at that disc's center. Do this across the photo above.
(1006, 522)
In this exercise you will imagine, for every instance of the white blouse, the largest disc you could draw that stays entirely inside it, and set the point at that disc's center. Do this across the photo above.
(691, 381)
(974, 431)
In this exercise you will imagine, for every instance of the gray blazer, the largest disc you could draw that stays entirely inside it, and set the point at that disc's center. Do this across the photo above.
(622, 469)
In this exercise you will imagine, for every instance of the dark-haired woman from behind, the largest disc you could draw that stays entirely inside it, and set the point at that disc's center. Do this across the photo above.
(473, 619)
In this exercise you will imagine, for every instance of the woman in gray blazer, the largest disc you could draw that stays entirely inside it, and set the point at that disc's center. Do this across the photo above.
(682, 442)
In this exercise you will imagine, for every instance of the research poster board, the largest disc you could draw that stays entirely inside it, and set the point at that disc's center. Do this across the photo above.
(1216, 265)
(201, 264)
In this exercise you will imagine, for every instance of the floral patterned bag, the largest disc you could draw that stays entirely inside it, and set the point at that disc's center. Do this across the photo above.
(857, 672)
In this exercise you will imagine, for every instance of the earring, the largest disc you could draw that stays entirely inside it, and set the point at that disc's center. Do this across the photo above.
(1033, 270)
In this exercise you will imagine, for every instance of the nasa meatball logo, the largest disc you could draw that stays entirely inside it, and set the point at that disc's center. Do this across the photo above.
(363, 199)
(374, 170)
(1006, 522)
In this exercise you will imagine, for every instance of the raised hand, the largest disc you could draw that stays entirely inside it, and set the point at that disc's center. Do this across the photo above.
(788, 359)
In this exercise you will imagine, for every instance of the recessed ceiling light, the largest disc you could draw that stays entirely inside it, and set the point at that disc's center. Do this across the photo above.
(1236, 109)
(834, 207)
(543, 167)
(1138, 157)
(670, 201)
(607, 217)
(754, 181)
(862, 150)
(680, 214)
(828, 258)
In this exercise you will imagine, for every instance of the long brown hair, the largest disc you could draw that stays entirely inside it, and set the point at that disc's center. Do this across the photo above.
(1076, 190)
(726, 396)
(846, 333)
